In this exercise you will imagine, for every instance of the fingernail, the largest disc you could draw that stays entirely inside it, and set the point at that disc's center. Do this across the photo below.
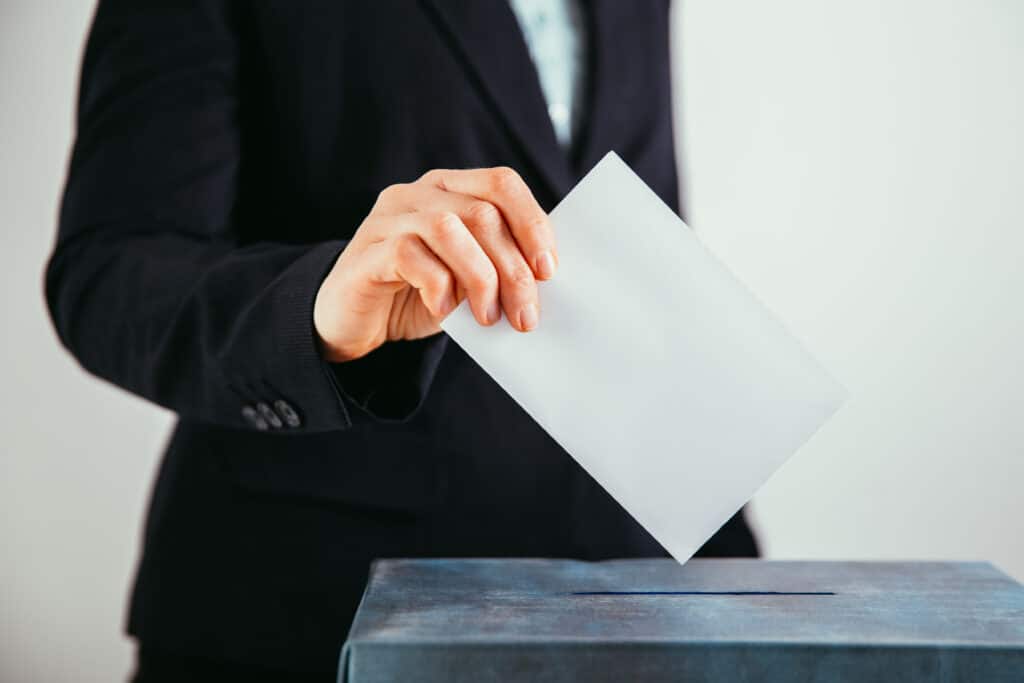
(528, 317)
(494, 312)
(545, 265)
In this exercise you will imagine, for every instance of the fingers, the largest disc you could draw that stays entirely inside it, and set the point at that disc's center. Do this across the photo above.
(421, 268)
(503, 188)
(517, 287)
(486, 228)
(450, 241)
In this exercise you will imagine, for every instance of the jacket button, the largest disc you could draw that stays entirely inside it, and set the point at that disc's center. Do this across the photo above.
(287, 413)
(268, 415)
(253, 417)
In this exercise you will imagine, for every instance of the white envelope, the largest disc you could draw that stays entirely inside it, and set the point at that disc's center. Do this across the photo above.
(657, 370)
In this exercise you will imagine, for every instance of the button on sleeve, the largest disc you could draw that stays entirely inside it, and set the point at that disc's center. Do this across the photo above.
(268, 414)
(253, 417)
(287, 413)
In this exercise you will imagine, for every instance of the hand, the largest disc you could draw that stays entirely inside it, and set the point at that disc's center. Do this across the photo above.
(452, 234)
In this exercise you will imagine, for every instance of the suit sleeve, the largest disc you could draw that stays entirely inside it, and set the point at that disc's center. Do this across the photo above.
(150, 285)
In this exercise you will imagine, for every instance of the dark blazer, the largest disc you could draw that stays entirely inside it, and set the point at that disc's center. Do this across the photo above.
(225, 152)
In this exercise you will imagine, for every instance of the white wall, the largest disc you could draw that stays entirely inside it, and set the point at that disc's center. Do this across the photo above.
(859, 164)
(76, 456)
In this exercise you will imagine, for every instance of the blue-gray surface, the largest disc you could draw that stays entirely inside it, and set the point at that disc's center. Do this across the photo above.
(710, 620)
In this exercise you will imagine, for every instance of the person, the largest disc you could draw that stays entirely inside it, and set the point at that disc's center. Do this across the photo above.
(269, 208)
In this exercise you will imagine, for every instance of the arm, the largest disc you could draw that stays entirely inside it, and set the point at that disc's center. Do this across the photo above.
(151, 287)
(148, 284)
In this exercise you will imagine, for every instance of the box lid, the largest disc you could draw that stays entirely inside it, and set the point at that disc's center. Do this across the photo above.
(707, 620)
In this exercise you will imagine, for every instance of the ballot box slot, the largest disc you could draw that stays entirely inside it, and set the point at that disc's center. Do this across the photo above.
(629, 593)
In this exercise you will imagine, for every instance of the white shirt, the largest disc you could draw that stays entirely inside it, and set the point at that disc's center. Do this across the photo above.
(556, 35)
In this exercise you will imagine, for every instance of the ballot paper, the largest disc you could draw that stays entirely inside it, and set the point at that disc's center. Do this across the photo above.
(653, 366)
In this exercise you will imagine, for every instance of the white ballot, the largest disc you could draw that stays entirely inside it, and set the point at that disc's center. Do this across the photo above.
(653, 366)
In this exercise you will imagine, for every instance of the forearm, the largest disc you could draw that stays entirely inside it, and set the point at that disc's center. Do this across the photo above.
(202, 329)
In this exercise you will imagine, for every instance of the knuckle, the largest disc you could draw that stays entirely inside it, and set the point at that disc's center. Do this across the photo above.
(390, 193)
(441, 281)
(406, 248)
(520, 276)
(537, 226)
(483, 214)
(483, 278)
(504, 180)
(444, 226)
(432, 177)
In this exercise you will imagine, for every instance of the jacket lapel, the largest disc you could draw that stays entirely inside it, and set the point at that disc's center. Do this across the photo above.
(486, 36)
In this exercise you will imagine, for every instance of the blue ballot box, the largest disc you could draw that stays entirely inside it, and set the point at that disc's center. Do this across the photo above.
(710, 620)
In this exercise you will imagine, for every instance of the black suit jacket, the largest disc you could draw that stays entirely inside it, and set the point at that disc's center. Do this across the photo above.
(225, 153)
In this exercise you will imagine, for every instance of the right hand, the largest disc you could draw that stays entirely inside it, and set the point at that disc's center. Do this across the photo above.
(452, 234)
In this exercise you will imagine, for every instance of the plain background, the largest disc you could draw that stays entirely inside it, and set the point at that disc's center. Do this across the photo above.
(859, 164)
